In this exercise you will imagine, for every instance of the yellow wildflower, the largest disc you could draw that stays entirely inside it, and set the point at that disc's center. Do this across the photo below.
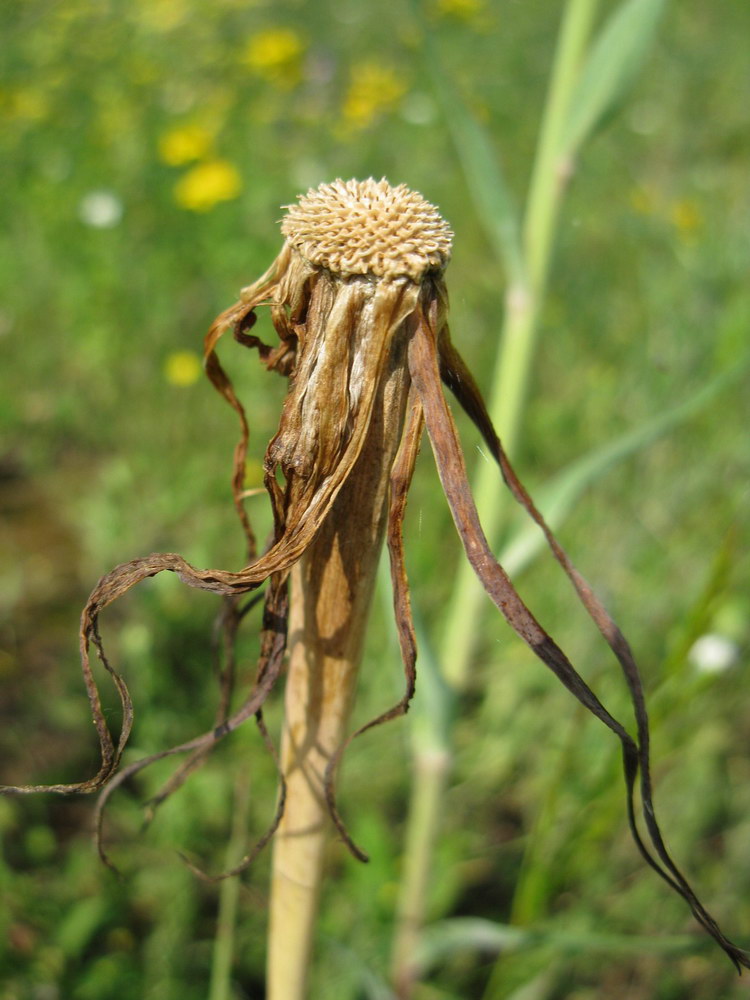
(184, 143)
(25, 104)
(462, 10)
(276, 55)
(373, 89)
(161, 16)
(182, 368)
(206, 184)
(687, 219)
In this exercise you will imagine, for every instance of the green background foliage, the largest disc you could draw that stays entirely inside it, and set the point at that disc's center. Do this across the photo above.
(145, 150)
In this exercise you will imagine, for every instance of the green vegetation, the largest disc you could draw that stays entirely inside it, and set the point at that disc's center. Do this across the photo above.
(146, 149)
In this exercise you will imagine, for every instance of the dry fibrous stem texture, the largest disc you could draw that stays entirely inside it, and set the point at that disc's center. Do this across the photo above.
(358, 302)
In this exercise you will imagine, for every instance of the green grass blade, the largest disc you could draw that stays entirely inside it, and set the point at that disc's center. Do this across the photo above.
(557, 499)
(476, 934)
(611, 68)
(485, 179)
(432, 709)
(229, 891)
(434, 703)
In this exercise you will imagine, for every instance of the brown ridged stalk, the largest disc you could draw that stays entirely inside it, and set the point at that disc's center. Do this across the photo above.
(331, 591)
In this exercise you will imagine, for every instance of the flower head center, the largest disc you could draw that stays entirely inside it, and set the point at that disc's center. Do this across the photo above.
(368, 228)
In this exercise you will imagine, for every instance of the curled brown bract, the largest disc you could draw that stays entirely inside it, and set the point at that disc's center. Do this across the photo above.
(357, 290)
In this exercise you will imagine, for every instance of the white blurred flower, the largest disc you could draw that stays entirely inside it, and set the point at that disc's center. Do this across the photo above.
(712, 653)
(418, 109)
(100, 209)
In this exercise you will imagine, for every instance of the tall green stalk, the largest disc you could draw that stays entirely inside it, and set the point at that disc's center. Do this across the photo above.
(528, 271)
(223, 952)
(518, 338)
(588, 81)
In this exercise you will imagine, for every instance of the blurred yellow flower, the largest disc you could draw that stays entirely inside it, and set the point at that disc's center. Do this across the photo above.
(276, 55)
(184, 143)
(687, 219)
(24, 104)
(463, 10)
(206, 184)
(162, 15)
(373, 89)
(182, 368)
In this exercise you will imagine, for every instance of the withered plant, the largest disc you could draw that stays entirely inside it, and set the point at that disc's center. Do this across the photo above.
(358, 301)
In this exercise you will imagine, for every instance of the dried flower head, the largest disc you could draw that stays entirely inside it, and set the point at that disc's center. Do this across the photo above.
(369, 227)
(358, 302)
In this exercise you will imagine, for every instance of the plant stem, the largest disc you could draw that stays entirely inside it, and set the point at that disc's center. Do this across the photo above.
(506, 401)
(429, 776)
(519, 334)
(332, 588)
(221, 966)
